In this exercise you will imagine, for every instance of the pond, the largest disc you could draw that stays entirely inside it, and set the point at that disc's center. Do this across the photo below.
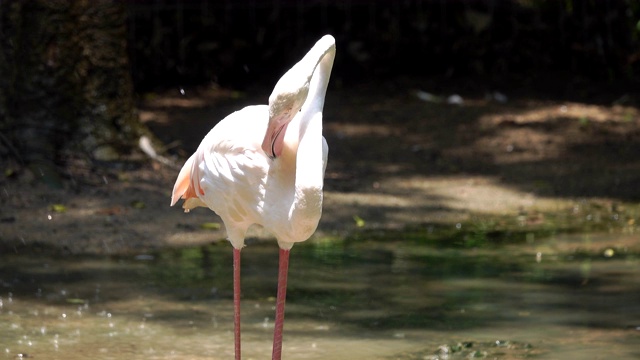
(565, 296)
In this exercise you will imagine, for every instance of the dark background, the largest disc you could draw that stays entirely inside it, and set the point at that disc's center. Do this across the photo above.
(562, 46)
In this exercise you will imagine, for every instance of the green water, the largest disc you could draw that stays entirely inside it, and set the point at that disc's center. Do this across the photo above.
(371, 297)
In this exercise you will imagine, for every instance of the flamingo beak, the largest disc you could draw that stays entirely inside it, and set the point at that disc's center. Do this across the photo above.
(273, 142)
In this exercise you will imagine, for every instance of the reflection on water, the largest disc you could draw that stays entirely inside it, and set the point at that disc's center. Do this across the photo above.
(570, 297)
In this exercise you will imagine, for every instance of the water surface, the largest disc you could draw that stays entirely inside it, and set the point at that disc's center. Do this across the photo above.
(564, 297)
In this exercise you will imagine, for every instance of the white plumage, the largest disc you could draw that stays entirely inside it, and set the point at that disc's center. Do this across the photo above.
(265, 165)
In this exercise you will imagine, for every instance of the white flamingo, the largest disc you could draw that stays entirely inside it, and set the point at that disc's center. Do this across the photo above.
(265, 165)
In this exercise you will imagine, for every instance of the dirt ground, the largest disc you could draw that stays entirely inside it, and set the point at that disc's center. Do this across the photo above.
(398, 157)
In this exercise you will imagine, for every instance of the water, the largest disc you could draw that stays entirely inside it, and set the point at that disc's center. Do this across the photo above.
(564, 297)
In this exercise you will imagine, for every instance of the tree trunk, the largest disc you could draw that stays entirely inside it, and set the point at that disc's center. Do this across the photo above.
(65, 87)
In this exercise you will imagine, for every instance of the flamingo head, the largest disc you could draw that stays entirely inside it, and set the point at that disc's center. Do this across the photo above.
(290, 94)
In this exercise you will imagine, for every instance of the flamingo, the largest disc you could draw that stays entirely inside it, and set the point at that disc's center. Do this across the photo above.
(265, 165)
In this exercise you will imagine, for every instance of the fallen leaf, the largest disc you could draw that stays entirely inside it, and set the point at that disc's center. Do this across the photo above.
(210, 226)
(137, 204)
(58, 208)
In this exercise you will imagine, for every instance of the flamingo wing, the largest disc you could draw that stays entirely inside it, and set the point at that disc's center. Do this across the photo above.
(228, 171)
(187, 187)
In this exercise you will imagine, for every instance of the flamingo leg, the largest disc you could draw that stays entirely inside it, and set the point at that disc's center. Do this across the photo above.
(236, 300)
(283, 270)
